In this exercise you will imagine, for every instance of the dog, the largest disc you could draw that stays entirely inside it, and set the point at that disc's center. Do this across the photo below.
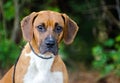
(39, 61)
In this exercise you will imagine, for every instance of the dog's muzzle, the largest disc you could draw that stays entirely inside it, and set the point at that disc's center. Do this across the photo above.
(49, 45)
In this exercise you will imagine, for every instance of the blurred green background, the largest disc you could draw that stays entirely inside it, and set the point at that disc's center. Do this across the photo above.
(97, 45)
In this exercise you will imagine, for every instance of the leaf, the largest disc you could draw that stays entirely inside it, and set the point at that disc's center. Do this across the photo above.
(107, 69)
(97, 50)
(54, 9)
(9, 10)
(117, 38)
(109, 42)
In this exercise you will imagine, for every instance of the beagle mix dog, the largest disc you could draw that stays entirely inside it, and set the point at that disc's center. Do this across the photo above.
(39, 61)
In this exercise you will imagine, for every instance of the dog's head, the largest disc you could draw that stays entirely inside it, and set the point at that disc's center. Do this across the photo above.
(45, 29)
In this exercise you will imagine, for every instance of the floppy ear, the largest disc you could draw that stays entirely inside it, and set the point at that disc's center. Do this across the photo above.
(71, 29)
(27, 26)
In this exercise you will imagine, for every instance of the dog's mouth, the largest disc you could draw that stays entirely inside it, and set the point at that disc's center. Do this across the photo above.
(45, 49)
(49, 45)
(50, 50)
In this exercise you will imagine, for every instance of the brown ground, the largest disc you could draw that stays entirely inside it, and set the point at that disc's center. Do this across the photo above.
(89, 77)
(92, 77)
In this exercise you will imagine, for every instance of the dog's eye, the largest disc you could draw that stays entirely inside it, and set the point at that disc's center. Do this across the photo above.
(41, 28)
(58, 29)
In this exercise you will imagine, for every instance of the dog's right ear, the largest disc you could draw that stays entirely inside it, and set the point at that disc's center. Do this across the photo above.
(27, 26)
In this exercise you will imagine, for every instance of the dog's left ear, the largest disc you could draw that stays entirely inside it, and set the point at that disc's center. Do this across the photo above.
(27, 26)
(71, 29)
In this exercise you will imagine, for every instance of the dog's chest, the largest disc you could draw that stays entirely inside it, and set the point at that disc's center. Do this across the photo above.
(39, 71)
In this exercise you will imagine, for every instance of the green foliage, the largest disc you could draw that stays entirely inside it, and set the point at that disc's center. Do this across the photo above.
(107, 56)
(92, 35)
(54, 9)
(61, 51)
(9, 10)
(8, 53)
(1, 31)
(109, 42)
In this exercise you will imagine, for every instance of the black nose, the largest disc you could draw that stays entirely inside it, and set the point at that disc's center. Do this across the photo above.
(50, 42)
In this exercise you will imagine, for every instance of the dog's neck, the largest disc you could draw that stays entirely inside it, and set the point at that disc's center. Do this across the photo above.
(39, 63)
(39, 70)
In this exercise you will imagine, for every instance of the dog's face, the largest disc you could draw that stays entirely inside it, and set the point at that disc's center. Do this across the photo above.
(46, 29)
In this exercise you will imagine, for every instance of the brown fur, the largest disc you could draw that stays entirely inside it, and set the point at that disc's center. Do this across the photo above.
(32, 35)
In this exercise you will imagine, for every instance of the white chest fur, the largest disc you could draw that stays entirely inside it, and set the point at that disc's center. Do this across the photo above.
(39, 71)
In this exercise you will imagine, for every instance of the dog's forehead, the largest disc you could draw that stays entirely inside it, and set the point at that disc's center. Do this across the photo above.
(49, 18)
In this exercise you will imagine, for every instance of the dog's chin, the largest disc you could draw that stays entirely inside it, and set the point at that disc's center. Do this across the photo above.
(49, 52)
(45, 50)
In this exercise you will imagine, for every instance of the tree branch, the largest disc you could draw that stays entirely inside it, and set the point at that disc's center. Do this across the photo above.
(118, 8)
(110, 15)
(90, 9)
(16, 21)
(3, 19)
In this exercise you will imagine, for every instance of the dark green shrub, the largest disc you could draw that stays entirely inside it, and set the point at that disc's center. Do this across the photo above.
(107, 56)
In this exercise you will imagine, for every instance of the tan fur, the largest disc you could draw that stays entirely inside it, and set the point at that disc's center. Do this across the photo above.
(59, 65)
(22, 65)
(31, 34)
